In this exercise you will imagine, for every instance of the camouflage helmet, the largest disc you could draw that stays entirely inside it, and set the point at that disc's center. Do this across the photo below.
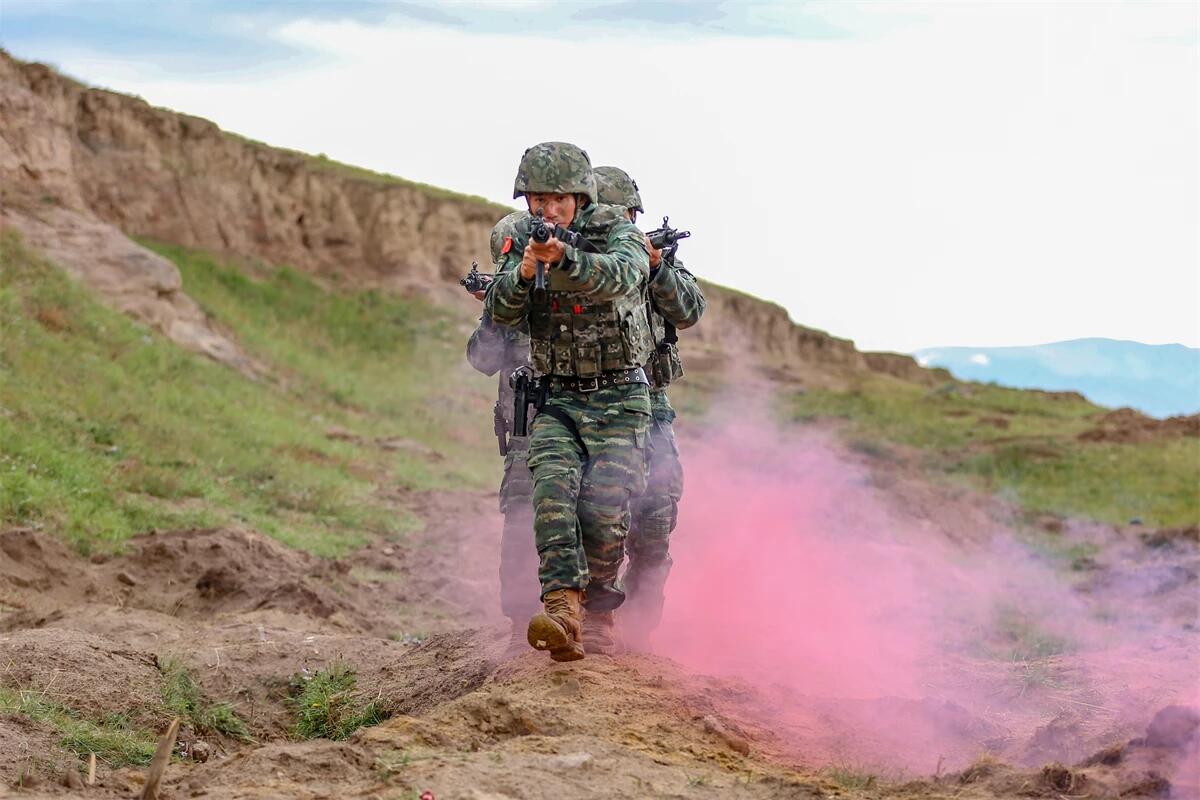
(615, 187)
(508, 228)
(555, 168)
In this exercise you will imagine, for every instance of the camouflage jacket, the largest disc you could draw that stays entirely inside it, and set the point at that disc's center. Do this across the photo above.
(617, 274)
(676, 296)
(675, 299)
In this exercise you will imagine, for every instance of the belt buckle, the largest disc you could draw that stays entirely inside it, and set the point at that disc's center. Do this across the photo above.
(587, 384)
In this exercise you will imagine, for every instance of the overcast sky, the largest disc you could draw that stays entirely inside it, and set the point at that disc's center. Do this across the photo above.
(902, 174)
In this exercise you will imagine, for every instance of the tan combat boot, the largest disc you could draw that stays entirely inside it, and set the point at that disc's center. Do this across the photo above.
(557, 628)
(600, 633)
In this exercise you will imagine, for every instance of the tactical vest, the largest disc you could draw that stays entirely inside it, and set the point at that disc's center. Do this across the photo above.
(573, 335)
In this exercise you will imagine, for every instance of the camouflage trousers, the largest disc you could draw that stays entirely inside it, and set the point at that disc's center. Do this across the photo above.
(655, 514)
(519, 595)
(582, 482)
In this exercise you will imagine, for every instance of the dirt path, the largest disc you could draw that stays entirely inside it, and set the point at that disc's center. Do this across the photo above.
(417, 621)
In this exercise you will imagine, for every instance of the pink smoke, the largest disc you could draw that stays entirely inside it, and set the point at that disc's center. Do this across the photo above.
(877, 635)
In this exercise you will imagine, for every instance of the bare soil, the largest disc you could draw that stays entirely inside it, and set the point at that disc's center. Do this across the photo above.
(417, 620)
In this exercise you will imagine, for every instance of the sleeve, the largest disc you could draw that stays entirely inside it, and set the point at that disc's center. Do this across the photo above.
(486, 347)
(612, 274)
(677, 295)
(507, 298)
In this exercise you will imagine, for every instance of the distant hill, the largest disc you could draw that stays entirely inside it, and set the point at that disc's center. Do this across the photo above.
(1160, 380)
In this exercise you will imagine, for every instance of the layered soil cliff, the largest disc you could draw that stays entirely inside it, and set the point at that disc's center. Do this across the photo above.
(82, 169)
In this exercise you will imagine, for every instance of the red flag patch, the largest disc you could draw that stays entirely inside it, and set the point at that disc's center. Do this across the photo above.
(507, 245)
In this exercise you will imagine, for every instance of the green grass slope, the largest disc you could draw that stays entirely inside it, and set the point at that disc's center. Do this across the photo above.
(1023, 445)
(108, 430)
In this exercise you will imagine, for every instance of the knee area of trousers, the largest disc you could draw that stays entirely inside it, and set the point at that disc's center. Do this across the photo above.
(602, 514)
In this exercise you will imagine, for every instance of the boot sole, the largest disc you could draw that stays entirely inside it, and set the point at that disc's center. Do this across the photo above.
(546, 634)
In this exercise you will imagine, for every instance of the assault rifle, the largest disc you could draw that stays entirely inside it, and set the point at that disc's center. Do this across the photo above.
(477, 281)
(540, 232)
(667, 239)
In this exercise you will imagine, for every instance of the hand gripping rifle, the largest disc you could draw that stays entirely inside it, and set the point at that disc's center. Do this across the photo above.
(667, 239)
(540, 231)
(476, 281)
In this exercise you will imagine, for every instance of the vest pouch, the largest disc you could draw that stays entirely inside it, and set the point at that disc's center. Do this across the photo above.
(614, 356)
(660, 369)
(675, 363)
(587, 360)
(562, 359)
(635, 335)
(541, 354)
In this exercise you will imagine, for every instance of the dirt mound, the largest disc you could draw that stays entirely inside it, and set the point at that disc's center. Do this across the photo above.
(1126, 426)
(191, 574)
(33, 565)
(317, 769)
(89, 674)
(443, 668)
(27, 747)
(1137, 768)
(199, 573)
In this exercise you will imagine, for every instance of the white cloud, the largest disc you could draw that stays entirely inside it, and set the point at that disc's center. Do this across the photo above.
(980, 358)
(1037, 162)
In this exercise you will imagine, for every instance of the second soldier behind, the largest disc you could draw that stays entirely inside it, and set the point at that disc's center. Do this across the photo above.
(495, 349)
(675, 301)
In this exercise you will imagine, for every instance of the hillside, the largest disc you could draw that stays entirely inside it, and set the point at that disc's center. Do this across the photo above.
(82, 166)
(276, 521)
(1159, 380)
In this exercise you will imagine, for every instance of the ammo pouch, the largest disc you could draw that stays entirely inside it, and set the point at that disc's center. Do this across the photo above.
(665, 365)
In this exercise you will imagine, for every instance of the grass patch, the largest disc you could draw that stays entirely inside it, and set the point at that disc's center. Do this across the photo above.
(851, 778)
(113, 740)
(1017, 636)
(1020, 444)
(108, 430)
(182, 696)
(327, 705)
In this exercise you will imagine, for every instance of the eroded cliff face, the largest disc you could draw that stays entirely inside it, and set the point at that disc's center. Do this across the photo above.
(83, 169)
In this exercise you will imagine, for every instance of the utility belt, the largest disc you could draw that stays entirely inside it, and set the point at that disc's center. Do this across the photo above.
(618, 377)
(531, 390)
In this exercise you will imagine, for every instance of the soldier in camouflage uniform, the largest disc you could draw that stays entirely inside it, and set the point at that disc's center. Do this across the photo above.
(589, 337)
(496, 349)
(675, 302)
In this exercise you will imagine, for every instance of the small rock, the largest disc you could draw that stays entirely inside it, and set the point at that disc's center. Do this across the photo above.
(735, 743)
(71, 779)
(570, 760)
(1173, 726)
(570, 688)
(389, 551)
(340, 434)
(126, 578)
(201, 751)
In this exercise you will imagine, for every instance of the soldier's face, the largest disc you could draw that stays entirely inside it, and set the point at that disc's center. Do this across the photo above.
(558, 209)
